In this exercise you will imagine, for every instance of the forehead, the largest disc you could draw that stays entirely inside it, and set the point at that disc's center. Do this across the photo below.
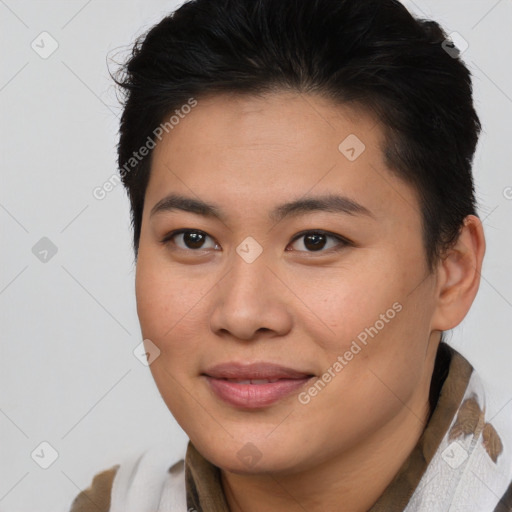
(278, 121)
(280, 144)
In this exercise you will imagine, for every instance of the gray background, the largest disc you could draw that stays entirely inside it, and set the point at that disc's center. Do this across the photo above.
(68, 375)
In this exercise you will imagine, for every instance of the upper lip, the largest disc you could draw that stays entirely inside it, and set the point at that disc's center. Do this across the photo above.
(260, 370)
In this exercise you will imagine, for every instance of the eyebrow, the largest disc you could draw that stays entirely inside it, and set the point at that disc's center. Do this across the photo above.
(326, 203)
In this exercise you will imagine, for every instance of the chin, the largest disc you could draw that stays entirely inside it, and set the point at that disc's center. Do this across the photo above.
(252, 458)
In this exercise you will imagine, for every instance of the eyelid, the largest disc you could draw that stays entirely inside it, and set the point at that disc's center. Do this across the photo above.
(342, 241)
(169, 236)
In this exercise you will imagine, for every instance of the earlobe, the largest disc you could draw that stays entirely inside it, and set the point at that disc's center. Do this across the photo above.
(459, 275)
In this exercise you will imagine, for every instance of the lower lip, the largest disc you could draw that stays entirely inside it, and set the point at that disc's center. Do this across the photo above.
(252, 396)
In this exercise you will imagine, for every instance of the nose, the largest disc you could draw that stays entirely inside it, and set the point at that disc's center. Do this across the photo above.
(250, 302)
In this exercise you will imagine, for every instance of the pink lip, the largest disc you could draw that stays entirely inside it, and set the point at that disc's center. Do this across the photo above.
(256, 395)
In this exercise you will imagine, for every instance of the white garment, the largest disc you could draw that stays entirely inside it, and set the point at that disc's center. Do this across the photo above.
(145, 484)
(462, 477)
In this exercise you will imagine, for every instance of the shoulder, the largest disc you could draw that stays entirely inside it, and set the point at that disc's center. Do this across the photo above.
(96, 498)
(141, 482)
(149, 479)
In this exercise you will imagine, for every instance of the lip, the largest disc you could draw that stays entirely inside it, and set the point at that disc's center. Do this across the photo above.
(222, 381)
(258, 370)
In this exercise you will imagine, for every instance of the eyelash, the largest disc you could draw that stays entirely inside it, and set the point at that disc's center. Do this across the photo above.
(342, 241)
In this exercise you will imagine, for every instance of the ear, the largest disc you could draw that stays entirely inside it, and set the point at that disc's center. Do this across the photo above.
(458, 276)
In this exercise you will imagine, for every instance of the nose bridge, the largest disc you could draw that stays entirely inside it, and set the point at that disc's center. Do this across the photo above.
(245, 281)
(247, 300)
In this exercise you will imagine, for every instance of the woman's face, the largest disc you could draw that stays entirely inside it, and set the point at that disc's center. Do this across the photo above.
(335, 294)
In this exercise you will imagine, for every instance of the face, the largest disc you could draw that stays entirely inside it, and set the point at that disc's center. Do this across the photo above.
(273, 247)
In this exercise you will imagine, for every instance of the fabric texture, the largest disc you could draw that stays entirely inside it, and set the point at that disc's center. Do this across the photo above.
(461, 463)
(96, 498)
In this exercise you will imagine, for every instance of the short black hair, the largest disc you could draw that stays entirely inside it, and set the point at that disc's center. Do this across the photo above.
(372, 54)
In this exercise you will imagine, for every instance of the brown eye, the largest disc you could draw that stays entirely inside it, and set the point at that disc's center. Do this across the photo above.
(189, 239)
(317, 241)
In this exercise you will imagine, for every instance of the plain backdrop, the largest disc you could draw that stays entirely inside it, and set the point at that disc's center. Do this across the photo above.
(68, 375)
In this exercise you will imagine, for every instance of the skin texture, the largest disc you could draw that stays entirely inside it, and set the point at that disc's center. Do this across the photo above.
(295, 306)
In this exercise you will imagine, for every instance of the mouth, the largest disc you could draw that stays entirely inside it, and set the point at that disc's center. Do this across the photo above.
(252, 381)
(254, 385)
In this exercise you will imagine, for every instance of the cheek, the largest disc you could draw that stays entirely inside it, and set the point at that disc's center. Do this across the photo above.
(343, 303)
(168, 305)
(154, 300)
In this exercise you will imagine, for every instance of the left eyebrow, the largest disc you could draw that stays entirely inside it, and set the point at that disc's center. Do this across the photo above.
(327, 203)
